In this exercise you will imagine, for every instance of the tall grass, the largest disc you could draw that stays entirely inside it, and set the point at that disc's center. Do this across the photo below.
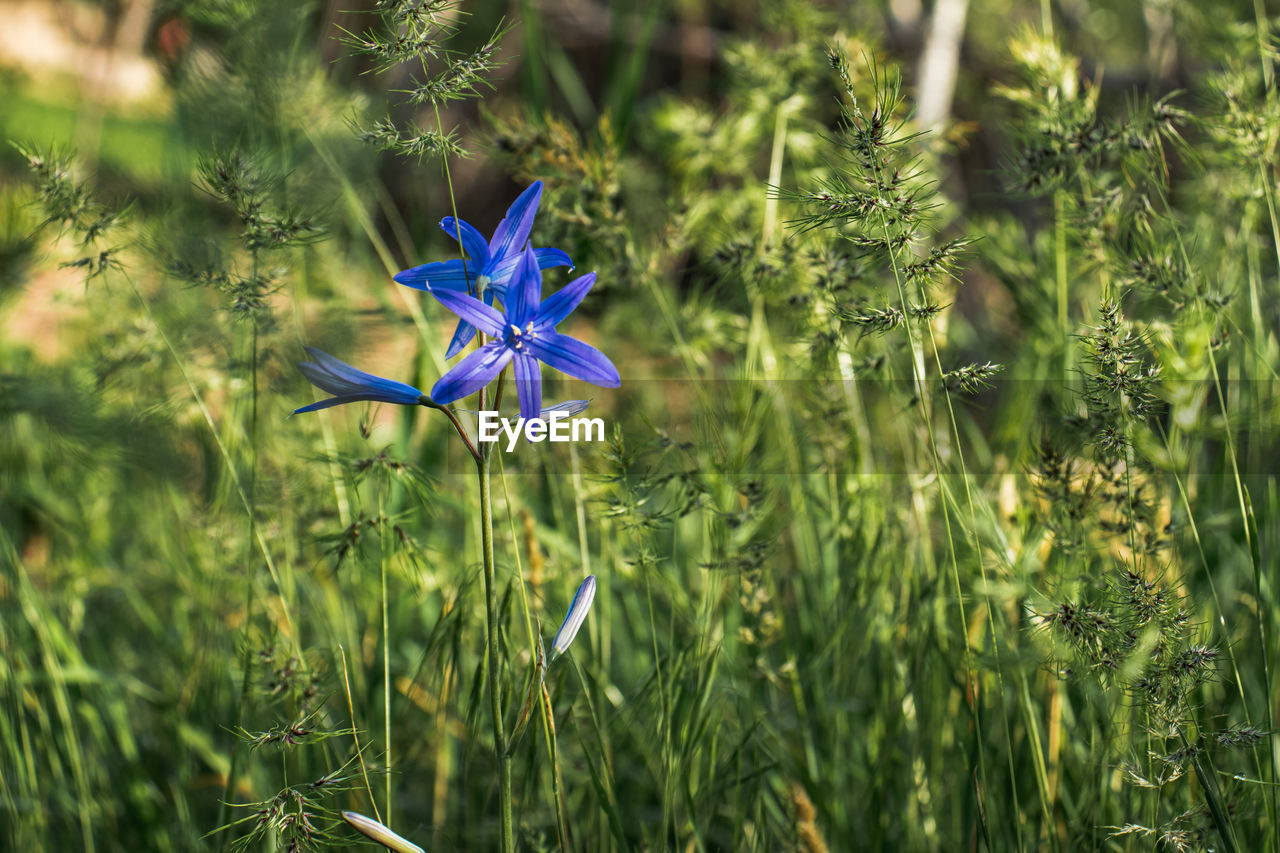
(923, 522)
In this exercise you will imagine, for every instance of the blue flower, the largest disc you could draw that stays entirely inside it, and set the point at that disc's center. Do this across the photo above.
(490, 264)
(526, 335)
(577, 614)
(350, 385)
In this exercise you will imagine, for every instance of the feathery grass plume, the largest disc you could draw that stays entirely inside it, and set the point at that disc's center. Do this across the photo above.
(247, 270)
(583, 178)
(780, 547)
(286, 680)
(647, 488)
(297, 818)
(244, 184)
(971, 378)
(302, 731)
(247, 186)
(411, 140)
(1121, 381)
(418, 33)
(878, 320)
(70, 204)
(1137, 635)
(1065, 138)
(878, 202)
(1118, 242)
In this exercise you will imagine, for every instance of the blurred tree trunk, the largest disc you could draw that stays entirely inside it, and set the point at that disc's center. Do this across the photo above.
(939, 63)
(135, 23)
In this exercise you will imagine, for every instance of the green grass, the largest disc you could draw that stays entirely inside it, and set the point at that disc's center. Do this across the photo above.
(134, 148)
(856, 588)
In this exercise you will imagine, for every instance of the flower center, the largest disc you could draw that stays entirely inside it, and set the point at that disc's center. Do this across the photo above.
(516, 336)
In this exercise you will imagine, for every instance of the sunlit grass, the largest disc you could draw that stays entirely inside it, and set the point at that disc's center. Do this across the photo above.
(915, 527)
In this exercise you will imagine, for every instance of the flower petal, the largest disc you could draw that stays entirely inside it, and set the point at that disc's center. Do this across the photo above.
(572, 356)
(463, 334)
(335, 366)
(529, 385)
(484, 317)
(443, 275)
(473, 242)
(323, 379)
(547, 258)
(524, 291)
(350, 385)
(461, 337)
(513, 231)
(332, 401)
(568, 407)
(577, 614)
(561, 303)
(472, 373)
(338, 377)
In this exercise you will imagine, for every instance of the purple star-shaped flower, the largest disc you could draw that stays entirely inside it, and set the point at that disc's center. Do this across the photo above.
(525, 334)
(490, 264)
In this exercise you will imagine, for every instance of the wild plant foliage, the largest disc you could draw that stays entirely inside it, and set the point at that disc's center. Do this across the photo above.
(419, 34)
(935, 506)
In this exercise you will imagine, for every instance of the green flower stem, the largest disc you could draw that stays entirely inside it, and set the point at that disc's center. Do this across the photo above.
(1207, 777)
(549, 729)
(457, 426)
(385, 549)
(483, 463)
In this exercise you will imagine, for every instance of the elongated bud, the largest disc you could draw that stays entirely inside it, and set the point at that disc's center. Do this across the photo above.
(577, 615)
(379, 833)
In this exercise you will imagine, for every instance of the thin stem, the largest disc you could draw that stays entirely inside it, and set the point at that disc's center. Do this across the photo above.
(254, 535)
(497, 394)
(233, 771)
(562, 826)
(918, 375)
(355, 733)
(491, 653)
(775, 175)
(385, 549)
(1207, 777)
(1250, 536)
(457, 425)
(486, 535)
(207, 416)
(545, 711)
(453, 206)
(515, 550)
(1060, 252)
